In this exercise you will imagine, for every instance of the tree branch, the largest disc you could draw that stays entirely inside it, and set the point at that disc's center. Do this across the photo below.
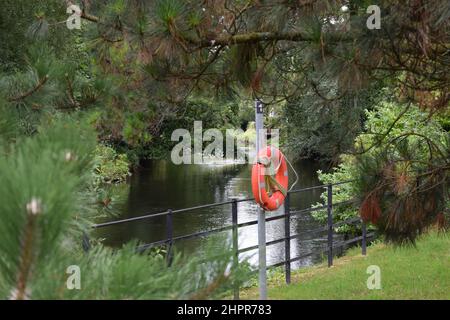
(251, 37)
(30, 92)
(254, 37)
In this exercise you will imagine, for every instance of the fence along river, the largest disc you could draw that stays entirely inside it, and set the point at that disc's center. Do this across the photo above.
(160, 185)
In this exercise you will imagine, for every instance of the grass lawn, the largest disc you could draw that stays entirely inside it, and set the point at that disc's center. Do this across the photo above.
(421, 272)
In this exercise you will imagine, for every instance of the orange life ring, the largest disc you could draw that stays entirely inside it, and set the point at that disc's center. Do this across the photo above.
(270, 178)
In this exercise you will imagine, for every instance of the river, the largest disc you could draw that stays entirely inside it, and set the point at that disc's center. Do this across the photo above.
(159, 185)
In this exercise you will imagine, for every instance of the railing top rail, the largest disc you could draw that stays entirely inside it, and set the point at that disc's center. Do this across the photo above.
(216, 204)
(320, 186)
(245, 224)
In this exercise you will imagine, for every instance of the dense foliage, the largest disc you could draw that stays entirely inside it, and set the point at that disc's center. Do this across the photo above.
(396, 165)
(110, 167)
(45, 184)
(324, 129)
(24, 23)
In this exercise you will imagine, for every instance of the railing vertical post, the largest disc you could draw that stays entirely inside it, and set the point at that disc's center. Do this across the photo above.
(364, 238)
(287, 241)
(262, 263)
(234, 218)
(330, 223)
(169, 229)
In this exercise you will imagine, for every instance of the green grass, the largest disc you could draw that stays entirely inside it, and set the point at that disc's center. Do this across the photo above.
(421, 272)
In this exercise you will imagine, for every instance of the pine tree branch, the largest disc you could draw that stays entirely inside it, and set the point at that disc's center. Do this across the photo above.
(30, 92)
(89, 17)
(84, 14)
(251, 37)
(254, 37)
(26, 258)
(70, 93)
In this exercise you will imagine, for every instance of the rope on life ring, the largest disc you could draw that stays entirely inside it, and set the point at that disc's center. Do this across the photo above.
(270, 178)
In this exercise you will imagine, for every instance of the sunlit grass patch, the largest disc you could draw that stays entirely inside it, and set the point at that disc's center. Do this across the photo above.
(420, 272)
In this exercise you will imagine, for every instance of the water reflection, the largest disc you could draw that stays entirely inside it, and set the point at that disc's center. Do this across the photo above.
(160, 185)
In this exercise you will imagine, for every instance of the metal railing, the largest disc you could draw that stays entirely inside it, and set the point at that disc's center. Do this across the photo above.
(234, 227)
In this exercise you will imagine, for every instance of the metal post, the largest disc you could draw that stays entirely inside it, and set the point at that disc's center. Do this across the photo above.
(330, 224)
(169, 226)
(287, 241)
(234, 218)
(259, 123)
(364, 238)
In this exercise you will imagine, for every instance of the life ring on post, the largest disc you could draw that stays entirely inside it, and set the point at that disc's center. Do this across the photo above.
(270, 178)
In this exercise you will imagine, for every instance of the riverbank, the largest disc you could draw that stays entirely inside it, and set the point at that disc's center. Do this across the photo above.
(420, 272)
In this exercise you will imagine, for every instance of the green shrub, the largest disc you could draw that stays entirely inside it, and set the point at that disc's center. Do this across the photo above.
(344, 192)
(110, 167)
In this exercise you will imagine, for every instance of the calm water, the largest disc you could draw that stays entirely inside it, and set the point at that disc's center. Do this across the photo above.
(160, 185)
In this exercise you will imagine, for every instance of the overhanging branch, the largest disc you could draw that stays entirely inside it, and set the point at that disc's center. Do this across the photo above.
(254, 37)
(38, 86)
(251, 37)
(89, 17)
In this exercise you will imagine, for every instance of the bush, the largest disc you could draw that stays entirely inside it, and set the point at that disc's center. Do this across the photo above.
(344, 192)
(110, 167)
